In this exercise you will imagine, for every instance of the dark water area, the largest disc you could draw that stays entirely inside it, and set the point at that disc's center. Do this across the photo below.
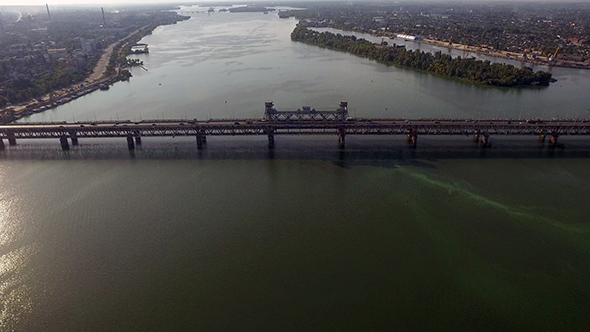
(378, 236)
(372, 150)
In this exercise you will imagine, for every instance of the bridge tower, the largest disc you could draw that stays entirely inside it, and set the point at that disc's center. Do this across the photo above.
(305, 113)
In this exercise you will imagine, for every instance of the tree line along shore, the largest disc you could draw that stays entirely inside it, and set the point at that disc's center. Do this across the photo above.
(476, 71)
(548, 34)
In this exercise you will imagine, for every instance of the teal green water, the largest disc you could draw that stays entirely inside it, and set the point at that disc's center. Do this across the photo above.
(217, 245)
(307, 238)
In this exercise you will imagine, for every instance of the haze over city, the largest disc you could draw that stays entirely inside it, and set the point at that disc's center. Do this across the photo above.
(103, 2)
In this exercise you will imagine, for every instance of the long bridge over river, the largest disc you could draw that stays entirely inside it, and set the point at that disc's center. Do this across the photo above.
(305, 121)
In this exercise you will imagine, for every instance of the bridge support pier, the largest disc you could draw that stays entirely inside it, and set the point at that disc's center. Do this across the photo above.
(199, 142)
(74, 138)
(412, 138)
(476, 137)
(541, 138)
(130, 143)
(137, 140)
(553, 139)
(201, 139)
(271, 137)
(64, 143)
(11, 139)
(2, 147)
(341, 138)
(485, 140)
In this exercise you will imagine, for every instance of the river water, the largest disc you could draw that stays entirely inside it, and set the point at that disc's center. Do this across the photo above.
(307, 237)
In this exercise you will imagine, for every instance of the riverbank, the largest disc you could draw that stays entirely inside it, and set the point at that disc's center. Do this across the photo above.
(522, 57)
(100, 78)
(538, 60)
(474, 71)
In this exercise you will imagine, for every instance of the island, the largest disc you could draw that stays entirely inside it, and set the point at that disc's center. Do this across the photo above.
(250, 9)
(476, 71)
(546, 34)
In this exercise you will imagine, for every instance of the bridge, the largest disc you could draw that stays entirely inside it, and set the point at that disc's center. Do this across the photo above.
(304, 121)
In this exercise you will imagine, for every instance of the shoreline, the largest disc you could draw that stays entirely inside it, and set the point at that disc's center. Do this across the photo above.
(98, 79)
(95, 81)
(540, 60)
(515, 56)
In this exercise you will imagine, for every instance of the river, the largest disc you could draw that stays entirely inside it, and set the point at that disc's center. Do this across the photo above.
(378, 236)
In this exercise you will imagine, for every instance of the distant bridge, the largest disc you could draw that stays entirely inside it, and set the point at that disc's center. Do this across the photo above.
(300, 122)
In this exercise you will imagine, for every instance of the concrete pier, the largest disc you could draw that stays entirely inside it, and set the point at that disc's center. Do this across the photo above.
(485, 140)
(137, 140)
(2, 147)
(270, 131)
(11, 139)
(64, 143)
(341, 138)
(201, 139)
(412, 137)
(130, 143)
(74, 138)
(199, 142)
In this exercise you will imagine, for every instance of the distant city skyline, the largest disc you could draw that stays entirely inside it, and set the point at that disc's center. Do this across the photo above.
(88, 2)
(122, 2)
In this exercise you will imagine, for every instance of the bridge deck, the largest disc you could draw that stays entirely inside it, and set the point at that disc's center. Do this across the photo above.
(261, 127)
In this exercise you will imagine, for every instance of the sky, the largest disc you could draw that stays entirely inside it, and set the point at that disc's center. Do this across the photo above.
(105, 2)
(70, 2)
(76, 2)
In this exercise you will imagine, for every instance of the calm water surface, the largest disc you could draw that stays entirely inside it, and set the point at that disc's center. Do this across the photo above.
(226, 65)
(308, 237)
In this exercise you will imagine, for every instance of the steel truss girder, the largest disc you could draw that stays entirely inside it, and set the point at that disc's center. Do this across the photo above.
(292, 128)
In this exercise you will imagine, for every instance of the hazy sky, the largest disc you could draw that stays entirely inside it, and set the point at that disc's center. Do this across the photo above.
(61, 2)
(94, 2)
(100, 2)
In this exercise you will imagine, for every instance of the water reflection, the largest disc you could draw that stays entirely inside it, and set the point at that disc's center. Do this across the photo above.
(358, 150)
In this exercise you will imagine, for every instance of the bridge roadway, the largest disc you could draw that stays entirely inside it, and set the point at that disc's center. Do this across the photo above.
(480, 129)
